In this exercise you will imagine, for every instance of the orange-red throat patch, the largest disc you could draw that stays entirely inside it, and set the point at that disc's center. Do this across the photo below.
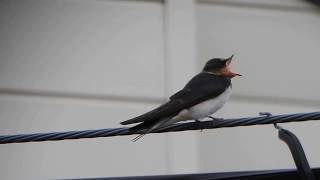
(225, 71)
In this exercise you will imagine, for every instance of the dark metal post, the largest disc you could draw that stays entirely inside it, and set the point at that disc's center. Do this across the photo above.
(297, 152)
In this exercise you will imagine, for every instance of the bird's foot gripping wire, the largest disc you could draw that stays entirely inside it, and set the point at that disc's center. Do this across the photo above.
(198, 121)
(214, 119)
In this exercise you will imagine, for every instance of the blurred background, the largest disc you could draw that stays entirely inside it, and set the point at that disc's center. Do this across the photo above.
(90, 64)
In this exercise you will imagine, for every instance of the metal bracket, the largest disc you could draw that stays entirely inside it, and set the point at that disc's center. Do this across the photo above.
(297, 152)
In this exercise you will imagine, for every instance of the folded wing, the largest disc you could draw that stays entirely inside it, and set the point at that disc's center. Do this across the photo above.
(200, 88)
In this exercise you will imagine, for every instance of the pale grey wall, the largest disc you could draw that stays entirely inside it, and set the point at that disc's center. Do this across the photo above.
(68, 65)
(77, 64)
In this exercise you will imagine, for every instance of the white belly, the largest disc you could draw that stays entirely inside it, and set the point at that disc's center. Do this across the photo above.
(205, 108)
(210, 106)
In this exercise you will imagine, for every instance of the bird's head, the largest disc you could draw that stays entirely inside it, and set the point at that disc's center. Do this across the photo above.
(220, 67)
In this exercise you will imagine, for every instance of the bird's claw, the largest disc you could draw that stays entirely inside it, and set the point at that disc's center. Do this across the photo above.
(198, 121)
(215, 119)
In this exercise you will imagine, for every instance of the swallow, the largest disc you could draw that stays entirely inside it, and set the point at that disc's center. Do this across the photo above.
(202, 96)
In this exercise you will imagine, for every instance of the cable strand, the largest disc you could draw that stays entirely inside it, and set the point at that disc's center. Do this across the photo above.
(264, 118)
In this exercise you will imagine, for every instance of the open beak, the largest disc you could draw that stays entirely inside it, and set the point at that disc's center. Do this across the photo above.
(229, 59)
(230, 73)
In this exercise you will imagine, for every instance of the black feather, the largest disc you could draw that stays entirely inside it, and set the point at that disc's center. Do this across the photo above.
(202, 87)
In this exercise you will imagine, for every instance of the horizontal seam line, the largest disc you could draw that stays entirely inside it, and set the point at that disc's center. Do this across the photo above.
(260, 6)
(78, 96)
(275, 100)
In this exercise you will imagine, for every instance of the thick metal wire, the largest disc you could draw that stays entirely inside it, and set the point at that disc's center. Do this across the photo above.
(264, 118)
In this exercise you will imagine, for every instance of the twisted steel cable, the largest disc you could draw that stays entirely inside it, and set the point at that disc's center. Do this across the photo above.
(264, 118)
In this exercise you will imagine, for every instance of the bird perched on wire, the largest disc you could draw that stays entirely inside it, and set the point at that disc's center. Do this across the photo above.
(202, 96)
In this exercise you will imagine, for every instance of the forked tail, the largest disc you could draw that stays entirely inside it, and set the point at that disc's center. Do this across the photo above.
(147, 127)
